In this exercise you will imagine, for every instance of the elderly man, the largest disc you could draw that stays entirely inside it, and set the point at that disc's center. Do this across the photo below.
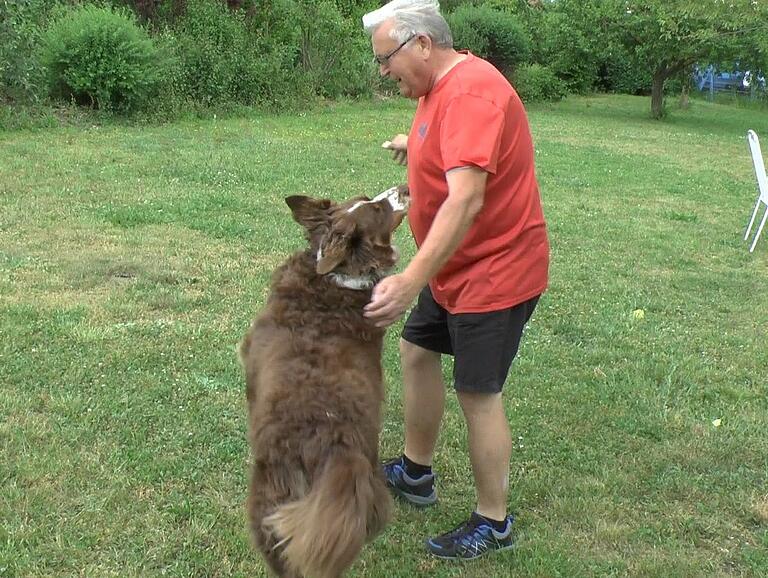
(481, 265)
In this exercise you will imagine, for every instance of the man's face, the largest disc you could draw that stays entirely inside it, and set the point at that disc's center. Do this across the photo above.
(403, 62)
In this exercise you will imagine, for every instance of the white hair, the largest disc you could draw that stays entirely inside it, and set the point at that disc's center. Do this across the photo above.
(411, 17)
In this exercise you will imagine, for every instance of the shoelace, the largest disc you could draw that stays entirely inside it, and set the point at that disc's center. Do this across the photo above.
(477, 540)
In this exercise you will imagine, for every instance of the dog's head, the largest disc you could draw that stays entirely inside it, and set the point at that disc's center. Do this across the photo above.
(352, 238)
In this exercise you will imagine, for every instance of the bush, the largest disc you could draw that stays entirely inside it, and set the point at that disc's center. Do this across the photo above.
(99, 56)
(22, 77)
(535, 83)
(569, 51)
(334, 52)
(211, 45)
(623, 73)
(332, 56)
(223, 59)
(491, 34)
(448, 6)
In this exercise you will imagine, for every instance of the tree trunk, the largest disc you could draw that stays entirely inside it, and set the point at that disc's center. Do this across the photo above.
(661, 74)
(657, 94)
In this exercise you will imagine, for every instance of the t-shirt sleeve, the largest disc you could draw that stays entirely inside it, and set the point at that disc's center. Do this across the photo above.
(470, 133)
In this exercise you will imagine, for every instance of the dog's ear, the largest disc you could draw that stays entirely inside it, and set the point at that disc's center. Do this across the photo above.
(308, 212)
(336, 246)
(313, 215)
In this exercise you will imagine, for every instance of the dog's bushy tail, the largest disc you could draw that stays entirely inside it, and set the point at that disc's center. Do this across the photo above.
(322, 533)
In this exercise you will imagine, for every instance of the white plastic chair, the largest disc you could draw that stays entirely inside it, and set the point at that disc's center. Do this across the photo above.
(762, 185)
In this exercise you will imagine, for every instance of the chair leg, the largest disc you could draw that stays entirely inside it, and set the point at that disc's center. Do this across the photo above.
(759, 229)
(752, 220)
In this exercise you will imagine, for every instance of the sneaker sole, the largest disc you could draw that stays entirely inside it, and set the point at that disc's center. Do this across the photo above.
(460, 559)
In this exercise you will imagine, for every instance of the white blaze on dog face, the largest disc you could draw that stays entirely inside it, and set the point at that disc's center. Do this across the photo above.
(393, 196)
(358, 242)
(349, 242)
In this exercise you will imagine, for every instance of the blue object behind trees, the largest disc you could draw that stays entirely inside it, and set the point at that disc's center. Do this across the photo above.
(712, 80)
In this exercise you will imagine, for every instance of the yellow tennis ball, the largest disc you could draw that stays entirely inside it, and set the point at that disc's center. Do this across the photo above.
(638, 314)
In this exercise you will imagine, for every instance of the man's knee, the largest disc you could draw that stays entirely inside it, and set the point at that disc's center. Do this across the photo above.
(415, 356)
(478, 405)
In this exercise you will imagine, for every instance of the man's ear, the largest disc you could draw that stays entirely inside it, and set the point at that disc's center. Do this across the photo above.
(424, 44)
(308, 212)
(335, 247)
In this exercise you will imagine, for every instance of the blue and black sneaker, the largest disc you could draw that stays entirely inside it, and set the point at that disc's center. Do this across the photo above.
(419, 491)
(471, 539)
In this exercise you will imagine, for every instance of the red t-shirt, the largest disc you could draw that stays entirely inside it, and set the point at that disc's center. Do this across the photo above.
(473, 117)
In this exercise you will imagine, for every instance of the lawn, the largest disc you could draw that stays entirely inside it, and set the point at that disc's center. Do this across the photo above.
(132, 260)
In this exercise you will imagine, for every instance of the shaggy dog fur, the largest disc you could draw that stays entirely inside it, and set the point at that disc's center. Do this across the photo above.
(314, 391)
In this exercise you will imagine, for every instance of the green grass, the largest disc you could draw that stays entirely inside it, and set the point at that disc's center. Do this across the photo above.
(133, 259)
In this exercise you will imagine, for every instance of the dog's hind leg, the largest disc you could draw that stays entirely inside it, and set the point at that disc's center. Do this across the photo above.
(270, 550)
(278, 566)
(270, 486)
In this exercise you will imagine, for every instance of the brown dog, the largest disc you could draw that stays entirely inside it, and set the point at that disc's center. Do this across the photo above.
(314, 377)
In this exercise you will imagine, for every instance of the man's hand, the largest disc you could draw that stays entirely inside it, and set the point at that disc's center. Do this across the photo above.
(390, 298)
(399, 147)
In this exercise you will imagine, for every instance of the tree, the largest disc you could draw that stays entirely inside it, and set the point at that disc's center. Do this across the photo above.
(673, 35)
(580, 41)
(571, 37)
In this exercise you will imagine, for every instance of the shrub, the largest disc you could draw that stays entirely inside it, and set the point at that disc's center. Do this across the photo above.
(497, 36)
(334, 53)
(568, 51)
(535, 82)
(99, 56)
(224, 60)
(623, 73)
(331, 54)
(22, 77)
(211, 45)
(448, 6)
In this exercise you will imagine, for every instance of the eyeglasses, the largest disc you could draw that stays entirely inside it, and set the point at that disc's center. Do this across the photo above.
(384, 59)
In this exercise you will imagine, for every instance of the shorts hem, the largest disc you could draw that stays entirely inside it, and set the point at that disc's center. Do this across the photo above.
(428, 346)
(491, 389)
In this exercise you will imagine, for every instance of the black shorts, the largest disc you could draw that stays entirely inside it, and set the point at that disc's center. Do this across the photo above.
(483, 344)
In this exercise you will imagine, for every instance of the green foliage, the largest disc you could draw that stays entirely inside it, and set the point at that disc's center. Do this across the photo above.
(22, 77)
(535, 83)
(354, 9)
(497, 36)
(99, 56)
(672, 36)
(623, 73)
(567, 44)
(284, 54)
(219, 60)
(447, 6)
(335, 54)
